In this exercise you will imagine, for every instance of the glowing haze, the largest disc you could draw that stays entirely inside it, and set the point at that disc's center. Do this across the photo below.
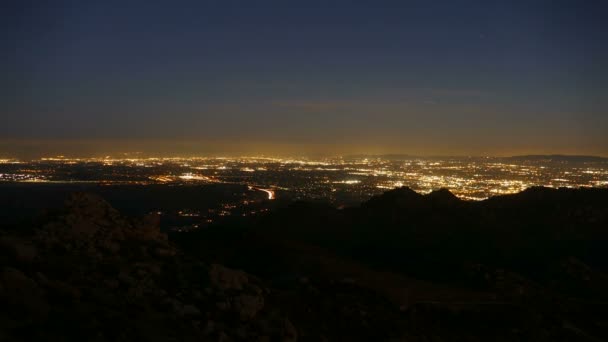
(310, 77)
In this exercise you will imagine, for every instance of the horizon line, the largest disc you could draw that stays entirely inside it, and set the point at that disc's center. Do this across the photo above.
(143, 155)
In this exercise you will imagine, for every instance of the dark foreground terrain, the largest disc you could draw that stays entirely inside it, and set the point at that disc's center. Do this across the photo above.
(401, 267)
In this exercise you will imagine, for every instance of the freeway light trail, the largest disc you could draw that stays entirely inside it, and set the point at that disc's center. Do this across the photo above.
(269, 192)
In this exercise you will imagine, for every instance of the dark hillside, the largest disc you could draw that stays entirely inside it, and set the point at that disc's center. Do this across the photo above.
(402, 266)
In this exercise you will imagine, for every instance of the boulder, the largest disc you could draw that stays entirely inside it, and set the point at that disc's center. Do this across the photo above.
(227, 279)
(247, 306)
(18, 249)
(23, 294)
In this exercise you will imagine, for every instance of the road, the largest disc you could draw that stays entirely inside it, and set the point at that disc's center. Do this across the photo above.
(270, 193)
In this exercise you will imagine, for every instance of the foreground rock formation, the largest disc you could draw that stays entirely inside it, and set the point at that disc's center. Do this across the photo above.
(90, 274)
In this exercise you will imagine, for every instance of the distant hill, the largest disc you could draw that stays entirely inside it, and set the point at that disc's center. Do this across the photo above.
(528, 157)
(559, 158)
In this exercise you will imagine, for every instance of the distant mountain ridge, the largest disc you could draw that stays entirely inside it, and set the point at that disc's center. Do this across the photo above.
(534, 157)
(559, 157)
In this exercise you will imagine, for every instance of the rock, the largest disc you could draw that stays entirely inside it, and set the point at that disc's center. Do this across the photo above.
(63, 289)
(23, 294)
(280, 328)
(241, 332)
(91, 206)
(18, 249)
(222, 337)
(91, 226)
(176, 306)
(226, 279)
(151, 268)
(223, 305)
(190, 310)
(15, 281)
(164, 252)
(112, 247)
(290, 334)
(148, 228)
(248, 306)
(254, 289)
(348, 281)
(111, 283)
(210, 327)
(41, 279)
(126, 279)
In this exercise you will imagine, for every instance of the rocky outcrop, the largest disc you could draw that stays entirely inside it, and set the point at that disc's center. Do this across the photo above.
(90, 273)
(17, 249)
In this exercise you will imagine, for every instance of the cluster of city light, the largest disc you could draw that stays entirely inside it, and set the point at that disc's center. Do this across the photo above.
(9, 161)
(194, 177)
(21, 177)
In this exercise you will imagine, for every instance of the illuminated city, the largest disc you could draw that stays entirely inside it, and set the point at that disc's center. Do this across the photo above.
(340, 180)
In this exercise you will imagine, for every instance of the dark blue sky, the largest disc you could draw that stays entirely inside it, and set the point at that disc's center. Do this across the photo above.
(422, 77)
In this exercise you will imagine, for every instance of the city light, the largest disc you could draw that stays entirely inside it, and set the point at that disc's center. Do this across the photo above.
(333, 179)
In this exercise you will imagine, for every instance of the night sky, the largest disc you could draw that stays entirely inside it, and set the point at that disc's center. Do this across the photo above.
(304, 77)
